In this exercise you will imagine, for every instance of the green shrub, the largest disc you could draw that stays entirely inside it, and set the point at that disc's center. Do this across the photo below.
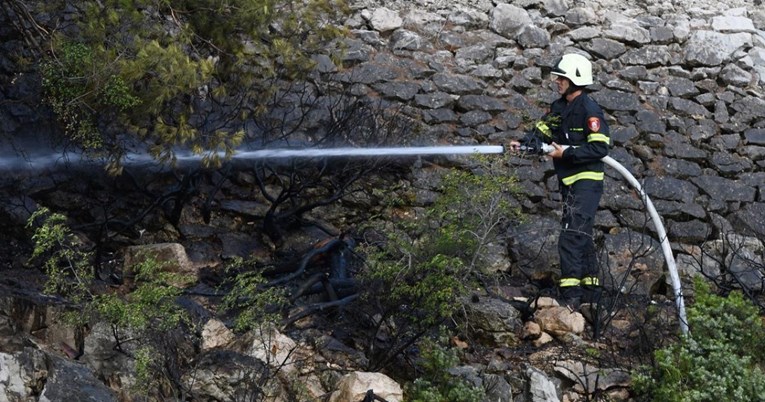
(150, 306)
(415, 278)
(67, 266)
(78, 88)
(253, 303)
(719, 360)
(436, 384)
(142, 319)
(471, 209)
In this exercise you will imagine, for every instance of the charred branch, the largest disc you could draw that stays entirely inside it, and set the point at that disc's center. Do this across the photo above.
(316, 308)
(24, 23)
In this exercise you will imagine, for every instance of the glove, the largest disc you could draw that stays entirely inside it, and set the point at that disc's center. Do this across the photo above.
(543, 128)
(548, 124)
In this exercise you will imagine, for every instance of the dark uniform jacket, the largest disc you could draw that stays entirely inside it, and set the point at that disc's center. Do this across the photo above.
(581, 124)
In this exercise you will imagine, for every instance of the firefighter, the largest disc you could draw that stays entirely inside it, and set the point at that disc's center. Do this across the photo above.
(577, 121)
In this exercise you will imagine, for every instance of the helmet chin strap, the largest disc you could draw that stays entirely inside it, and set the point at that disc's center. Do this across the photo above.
(571, 89)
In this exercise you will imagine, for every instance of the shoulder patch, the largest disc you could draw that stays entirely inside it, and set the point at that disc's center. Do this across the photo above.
(593, 123)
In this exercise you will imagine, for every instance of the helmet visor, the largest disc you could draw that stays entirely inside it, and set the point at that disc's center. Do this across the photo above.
(557, 70)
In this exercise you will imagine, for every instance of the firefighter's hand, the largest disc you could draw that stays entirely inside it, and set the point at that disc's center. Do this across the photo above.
(514, 146)
(557, 152)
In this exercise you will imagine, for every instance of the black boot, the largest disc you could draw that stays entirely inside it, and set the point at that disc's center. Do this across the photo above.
(591, 294)
(571, 296)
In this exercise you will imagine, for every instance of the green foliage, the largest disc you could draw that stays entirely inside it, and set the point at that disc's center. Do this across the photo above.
(418, 274)
(436, 384)
(145, 360)
(472, 207)
(426, 291)
(66, 265)
(159, 68)
(147, 313)
(721, 358)
(76, 87)
(117, 93)
(732, 321)
(151, 306)
(253, 302)
(143, 317)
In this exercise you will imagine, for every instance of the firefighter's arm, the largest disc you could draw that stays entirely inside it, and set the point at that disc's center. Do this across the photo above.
(596, 146)
(591, 151)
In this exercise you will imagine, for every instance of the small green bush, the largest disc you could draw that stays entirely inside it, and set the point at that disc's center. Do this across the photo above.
(253, 303)
(426, 263)
(437, 384)
(78, 88)
(720, 360)
(64, 260)
(140, 319)
(150, 306)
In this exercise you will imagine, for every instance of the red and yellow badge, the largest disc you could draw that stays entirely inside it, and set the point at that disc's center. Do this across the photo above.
(593, 123)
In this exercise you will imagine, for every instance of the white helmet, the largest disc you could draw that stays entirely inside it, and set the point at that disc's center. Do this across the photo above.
(576, 68)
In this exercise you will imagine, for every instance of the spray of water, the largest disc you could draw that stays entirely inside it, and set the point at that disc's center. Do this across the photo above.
(33, 162)
(353, 152)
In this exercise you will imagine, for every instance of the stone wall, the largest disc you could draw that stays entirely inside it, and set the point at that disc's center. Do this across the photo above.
(681, 84)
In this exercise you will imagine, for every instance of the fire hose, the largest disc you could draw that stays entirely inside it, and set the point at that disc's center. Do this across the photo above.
(662, 234)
